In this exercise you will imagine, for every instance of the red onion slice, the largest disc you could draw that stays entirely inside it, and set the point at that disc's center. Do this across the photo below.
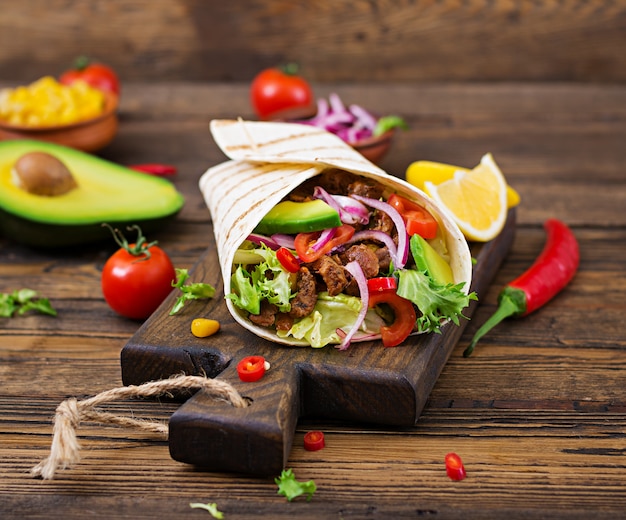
(262, 239)
(326, 236)
(350, 210)
(355, 270)
(403, 250)
(282, 240)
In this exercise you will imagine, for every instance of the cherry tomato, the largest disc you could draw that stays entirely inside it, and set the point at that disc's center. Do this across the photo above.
(381, 284)
(251, 368)
(417, 219)
(287, 260)
(304, 243)
(97, 75)
(137, 277)
(314, 441)
(276, 90)
(454, 467)
(394, 334)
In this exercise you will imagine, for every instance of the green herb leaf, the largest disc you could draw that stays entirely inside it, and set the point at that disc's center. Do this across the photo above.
(193, 291)
(386, 123)
(291, 488)
(21, 301)
(211, 508)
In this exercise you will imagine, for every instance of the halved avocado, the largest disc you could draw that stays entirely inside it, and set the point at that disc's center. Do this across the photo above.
(106, 192)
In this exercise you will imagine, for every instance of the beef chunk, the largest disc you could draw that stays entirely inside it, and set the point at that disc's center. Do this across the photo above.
(332, 273)
(283, 321)
(380, 221)
(306, 296)
(365, 257)
(384, 259)
(266, 317)
(366, 188)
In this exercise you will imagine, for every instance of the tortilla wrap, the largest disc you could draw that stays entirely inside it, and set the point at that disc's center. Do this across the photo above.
(269, 160)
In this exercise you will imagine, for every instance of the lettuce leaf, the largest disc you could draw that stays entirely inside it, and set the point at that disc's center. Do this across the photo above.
(268, 280)
(331, 313)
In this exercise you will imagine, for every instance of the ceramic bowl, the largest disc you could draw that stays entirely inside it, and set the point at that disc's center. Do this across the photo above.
(374, 148)
(89, 135)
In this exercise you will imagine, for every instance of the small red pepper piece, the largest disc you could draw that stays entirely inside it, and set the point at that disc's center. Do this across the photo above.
(454, 467)
(381, 284)
(161, 170)
(251, 368)
(404, 312)
(288, 260)
(314, 440)
(545, 278)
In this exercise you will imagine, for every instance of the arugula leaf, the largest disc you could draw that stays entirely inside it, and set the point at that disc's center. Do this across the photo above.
(291, 488)
(435, 301)
(193, 291)
(211, 508)
(22, 301)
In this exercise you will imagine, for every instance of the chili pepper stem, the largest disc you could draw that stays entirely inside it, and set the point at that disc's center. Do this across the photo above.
(511, 302)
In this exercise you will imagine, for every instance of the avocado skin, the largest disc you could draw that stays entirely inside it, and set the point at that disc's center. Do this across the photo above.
(50, 236)
(63, 227)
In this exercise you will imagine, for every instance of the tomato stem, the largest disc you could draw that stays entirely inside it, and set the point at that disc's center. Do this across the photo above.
(81, 63)
(141, 247)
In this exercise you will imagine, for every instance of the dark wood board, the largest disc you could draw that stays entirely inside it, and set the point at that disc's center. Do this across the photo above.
(367, 383)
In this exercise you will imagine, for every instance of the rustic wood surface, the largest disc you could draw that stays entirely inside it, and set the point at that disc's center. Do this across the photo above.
(538, 413)
(338, 40)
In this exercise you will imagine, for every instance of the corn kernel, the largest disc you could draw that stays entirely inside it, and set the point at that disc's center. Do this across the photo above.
(204, 327)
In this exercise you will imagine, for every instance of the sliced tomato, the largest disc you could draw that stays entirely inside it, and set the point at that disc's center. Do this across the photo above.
(404, 312)
(382, 283)
(287, 260)
(251, 368)
(417, 219)
(304, 243)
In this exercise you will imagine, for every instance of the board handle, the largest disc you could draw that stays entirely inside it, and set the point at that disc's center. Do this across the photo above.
(256, 440)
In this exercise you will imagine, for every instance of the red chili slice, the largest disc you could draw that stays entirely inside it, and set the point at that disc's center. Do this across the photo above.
(381, 284)
(155, 169)
(314, 441)
(251, 368)
(287, 260)
(454, 467)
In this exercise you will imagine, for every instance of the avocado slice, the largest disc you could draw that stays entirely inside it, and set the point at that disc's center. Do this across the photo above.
(428, 260)
(106, 192)
(298, 217)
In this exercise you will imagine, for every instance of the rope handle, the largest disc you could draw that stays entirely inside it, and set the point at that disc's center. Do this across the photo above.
(65, 448)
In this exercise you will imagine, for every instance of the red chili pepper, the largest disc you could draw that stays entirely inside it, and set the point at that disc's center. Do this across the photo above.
(161, 170)
(251, 368)
(287, 260)
(381, 284)
(550, 273)
(314, 441)
(454, 467)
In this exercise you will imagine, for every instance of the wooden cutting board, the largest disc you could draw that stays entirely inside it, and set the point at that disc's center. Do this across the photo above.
(366, 383)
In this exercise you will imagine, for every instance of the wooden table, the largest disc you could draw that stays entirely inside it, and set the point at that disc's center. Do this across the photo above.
(538, 413)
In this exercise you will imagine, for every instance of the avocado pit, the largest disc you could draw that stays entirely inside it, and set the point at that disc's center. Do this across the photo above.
(41, 173)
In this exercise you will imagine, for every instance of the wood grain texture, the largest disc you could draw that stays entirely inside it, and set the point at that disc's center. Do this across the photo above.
(538, 413)
(347, 40)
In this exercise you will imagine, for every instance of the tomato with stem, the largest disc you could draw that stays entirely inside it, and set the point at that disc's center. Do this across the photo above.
(137, 277)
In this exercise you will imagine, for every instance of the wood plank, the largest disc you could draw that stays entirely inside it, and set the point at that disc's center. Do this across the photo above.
(378, 41)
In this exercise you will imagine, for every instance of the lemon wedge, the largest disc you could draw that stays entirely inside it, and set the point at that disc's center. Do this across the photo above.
(419, 172)
(476, 199)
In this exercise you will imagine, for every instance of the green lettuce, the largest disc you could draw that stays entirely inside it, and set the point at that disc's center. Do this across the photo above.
(267, 280)
(331, 313)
